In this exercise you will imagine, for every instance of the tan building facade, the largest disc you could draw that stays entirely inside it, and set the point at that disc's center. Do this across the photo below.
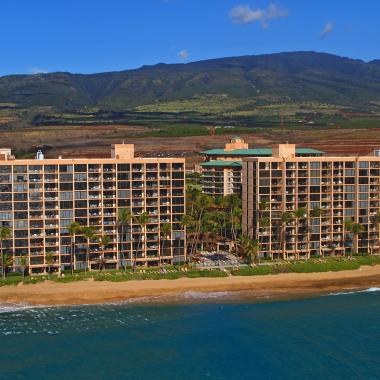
(40, 198)
(331, 191)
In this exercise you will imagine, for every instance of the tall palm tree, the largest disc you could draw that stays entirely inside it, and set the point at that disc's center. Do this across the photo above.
(49, 261)
(165, 232)
(186, 222)
(347, 227)
(376, 222)
(356, 230)
(74, 229)
(142, 220)
(88, 233)
(8, 262)
(23, 262)
(315, 213)
(234, 210)
(124, 219)
(103, 242)
(192, 194)
(285, 217)
(5, 234)
(264, 222)
(252, 250)
(202, 203)
(299, 214)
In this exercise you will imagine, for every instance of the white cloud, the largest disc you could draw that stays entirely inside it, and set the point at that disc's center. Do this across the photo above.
(36, 70)
(183, 54)
(244, 14)
(327, 29)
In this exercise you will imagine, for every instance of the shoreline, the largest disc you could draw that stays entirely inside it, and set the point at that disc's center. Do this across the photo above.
(278, 286)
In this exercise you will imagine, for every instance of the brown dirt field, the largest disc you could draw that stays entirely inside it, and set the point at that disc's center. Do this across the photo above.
(95, 141)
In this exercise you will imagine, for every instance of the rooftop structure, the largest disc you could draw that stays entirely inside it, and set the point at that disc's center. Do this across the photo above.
(221, 171)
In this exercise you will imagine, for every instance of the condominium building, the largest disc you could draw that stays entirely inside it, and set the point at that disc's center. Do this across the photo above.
(221, 171)
(40, 198)
(336, 188)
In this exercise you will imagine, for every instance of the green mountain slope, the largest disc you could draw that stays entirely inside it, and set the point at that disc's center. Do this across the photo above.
(297, 76)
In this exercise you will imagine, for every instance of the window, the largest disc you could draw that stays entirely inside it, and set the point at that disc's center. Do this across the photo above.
(81, 168)
(66, 186)
(363, 164)
(123, 167)
(122, 176)
(123, 185)
(315, 181)
(66, 205)
(5, 178)
(350, 173)
(80, 177)
(80, 185)
(5, 188)
(65, 178)
(21, 224)
(80, 195)
(66, 196)
(20, 169)
(5, 216)
(5, 206)
(124, 193)
(66, 214)
(66, 168)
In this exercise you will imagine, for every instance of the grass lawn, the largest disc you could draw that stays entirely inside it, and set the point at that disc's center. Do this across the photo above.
(333, 264)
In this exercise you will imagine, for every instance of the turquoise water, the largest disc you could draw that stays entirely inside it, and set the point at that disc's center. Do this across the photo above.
(330, 337)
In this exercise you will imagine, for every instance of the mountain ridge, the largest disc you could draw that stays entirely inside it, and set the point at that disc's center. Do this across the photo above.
(290, 76)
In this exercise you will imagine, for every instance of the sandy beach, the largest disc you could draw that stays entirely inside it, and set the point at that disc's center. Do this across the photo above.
(276, 286)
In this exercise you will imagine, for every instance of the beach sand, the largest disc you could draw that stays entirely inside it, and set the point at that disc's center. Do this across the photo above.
(290, 285)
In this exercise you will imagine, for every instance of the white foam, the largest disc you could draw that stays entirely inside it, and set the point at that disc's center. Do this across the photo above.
(369, 290)
(203, 295)
(11, 308)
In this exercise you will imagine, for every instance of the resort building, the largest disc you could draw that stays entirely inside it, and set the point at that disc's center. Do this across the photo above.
(40, 198)
(301, 206)
(221, 171)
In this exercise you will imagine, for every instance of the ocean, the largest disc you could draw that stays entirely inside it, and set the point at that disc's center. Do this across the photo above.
(215, 337)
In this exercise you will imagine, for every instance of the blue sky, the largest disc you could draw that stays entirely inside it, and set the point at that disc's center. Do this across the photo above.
(86, 36)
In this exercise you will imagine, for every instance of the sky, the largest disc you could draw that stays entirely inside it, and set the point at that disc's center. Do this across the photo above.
(88, 36)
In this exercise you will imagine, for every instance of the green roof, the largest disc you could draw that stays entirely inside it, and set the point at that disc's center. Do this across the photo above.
(222, 163)
(258, 152)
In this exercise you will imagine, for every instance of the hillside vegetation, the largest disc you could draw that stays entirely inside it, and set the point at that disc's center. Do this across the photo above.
(237, 83)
